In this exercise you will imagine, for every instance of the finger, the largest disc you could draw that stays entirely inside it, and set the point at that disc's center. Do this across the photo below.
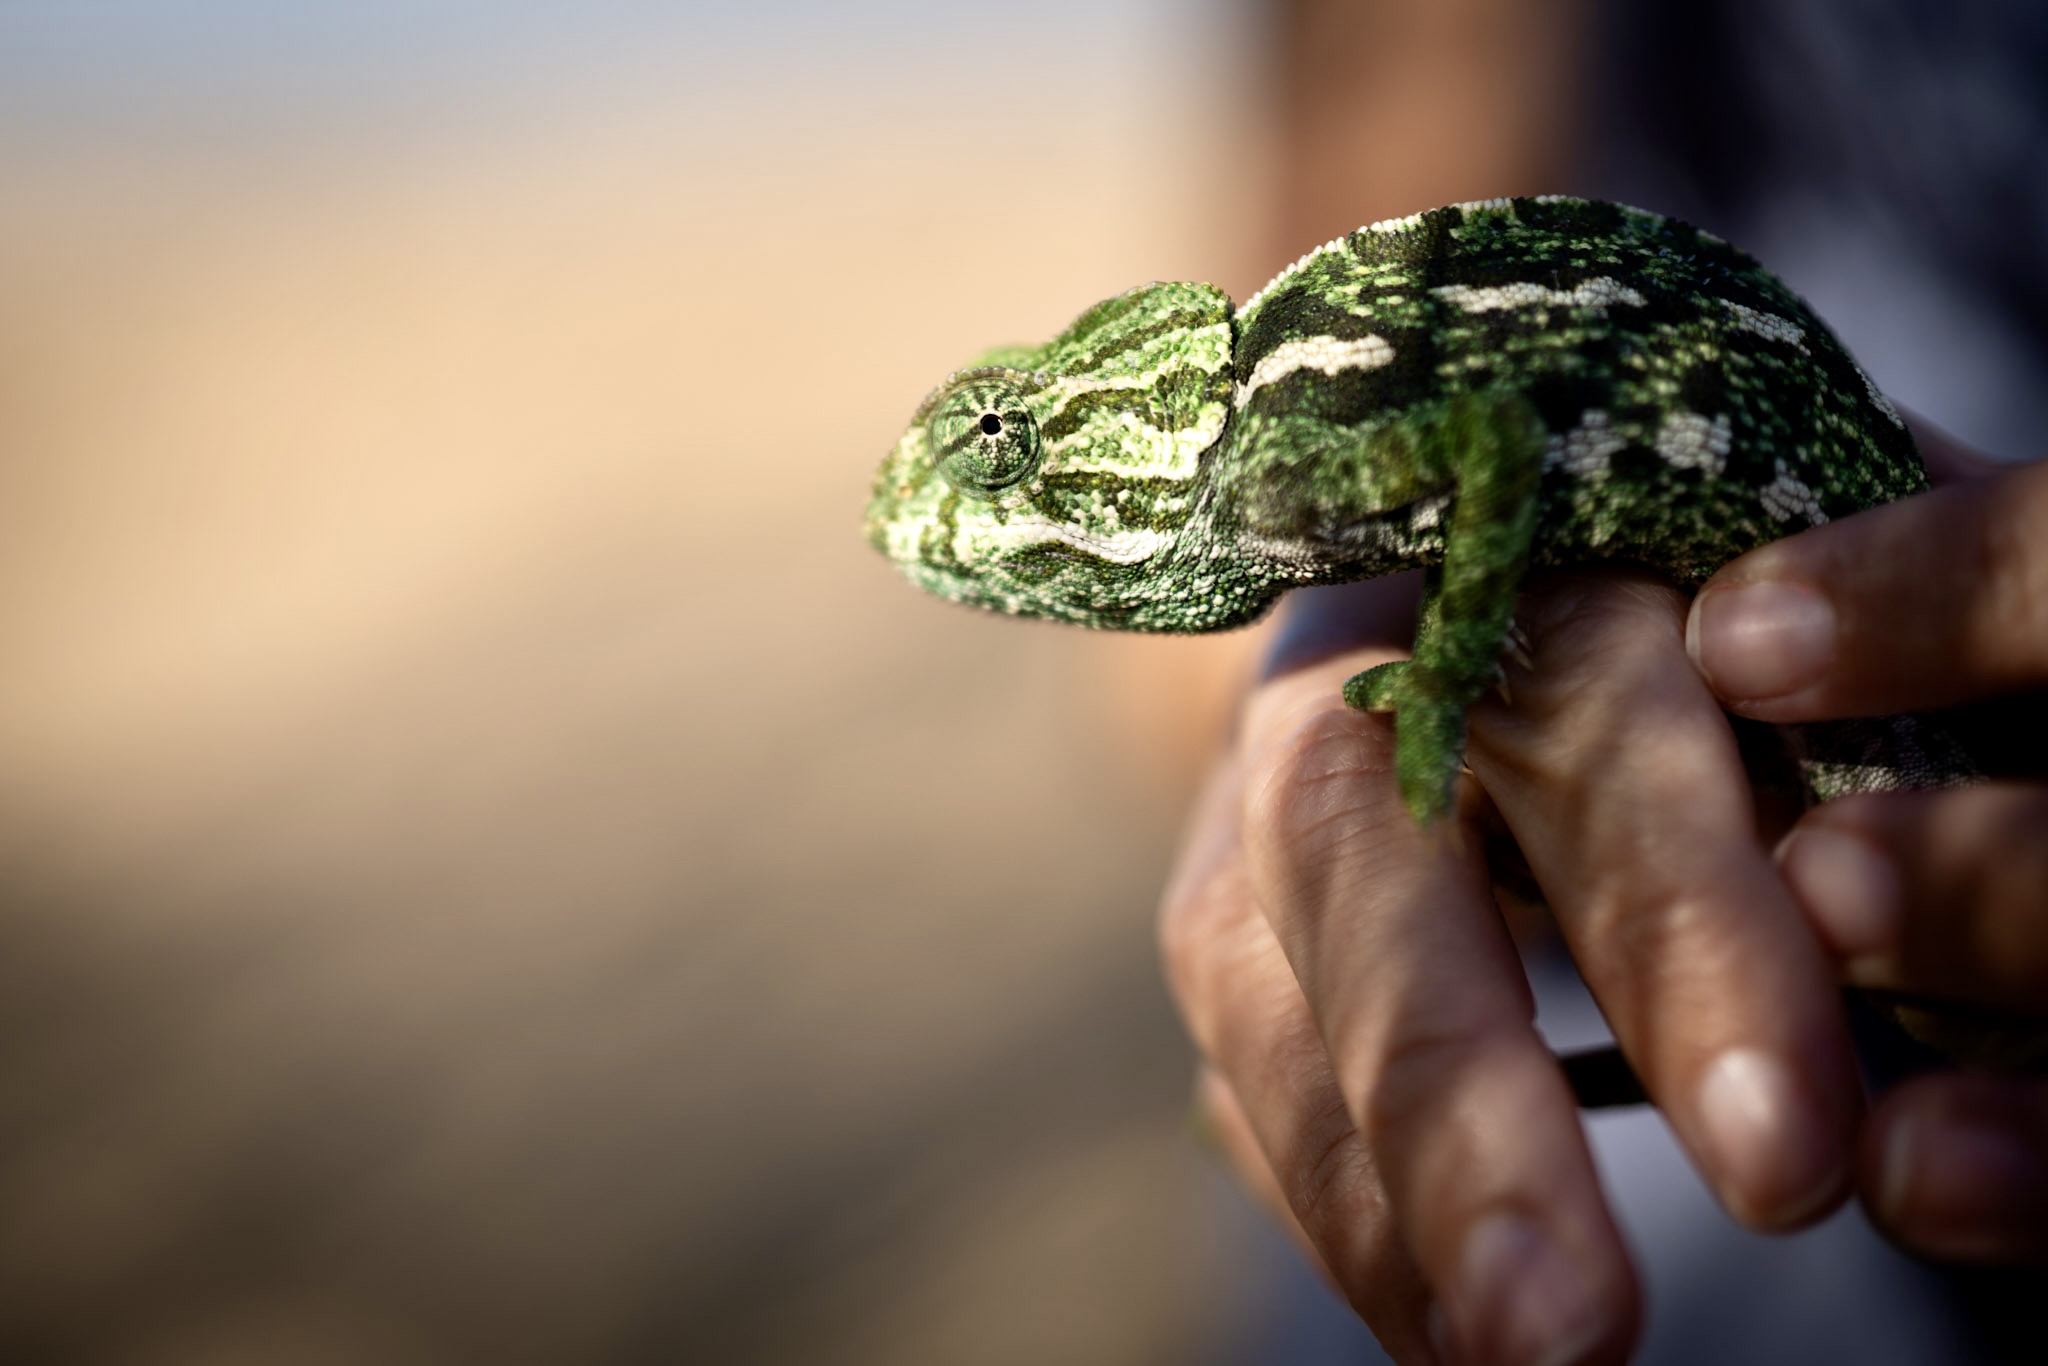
(1956, 1168)
(1941, 894)
(1249, 1019)
(1920, 604)
(1230, 1129)
(1419, 998)
(1620, 778)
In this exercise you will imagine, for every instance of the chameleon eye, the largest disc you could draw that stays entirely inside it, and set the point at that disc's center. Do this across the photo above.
(983, 438)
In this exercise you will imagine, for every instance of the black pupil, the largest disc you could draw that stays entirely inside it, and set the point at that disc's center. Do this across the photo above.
(990, 424)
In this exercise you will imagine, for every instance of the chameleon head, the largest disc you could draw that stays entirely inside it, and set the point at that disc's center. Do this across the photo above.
(1062, 480)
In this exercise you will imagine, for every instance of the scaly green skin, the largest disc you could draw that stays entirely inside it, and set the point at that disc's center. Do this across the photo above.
(1471, 390)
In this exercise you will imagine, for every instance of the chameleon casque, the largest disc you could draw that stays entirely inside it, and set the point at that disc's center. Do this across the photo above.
(1471, 390)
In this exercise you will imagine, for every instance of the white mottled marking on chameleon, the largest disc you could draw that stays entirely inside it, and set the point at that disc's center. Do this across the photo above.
(1600, 292)
(1787, 499)
(1769, 326)
(1584, 451)
(1693, 441)
(1843, 779)
(1386, 225)
(1879, 401)
(1470, 207)
(1125, 445)
(1123, 547)
(1327, 354)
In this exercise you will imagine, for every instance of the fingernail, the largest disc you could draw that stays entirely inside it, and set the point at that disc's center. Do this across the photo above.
(1961, 1185)
(1849, 888)
(1774, 1162)
(1521, 1301)
(1759, 640)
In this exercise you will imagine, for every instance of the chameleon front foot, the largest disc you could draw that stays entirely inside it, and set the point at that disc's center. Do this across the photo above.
(1376, 688)
(1429, 736)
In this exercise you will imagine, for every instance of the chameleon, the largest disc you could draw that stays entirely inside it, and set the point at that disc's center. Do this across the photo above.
(1472, 391)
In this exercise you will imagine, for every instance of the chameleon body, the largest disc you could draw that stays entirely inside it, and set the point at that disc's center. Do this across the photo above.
(1471, 390)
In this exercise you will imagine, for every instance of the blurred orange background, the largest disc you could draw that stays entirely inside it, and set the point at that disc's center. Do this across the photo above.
(494, 867)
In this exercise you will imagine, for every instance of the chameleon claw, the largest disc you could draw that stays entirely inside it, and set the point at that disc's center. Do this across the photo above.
(1518, 647)
(1515, 648)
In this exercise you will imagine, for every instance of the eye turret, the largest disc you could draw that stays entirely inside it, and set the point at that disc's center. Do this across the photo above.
(983, 438)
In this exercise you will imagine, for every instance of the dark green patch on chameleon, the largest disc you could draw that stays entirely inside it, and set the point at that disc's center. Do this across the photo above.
(1470, 391)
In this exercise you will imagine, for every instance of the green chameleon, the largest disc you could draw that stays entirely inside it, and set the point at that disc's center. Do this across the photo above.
(1470, 391)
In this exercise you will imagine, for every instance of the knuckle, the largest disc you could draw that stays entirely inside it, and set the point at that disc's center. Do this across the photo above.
(1319, 1164)
(1635, 944)
(1334, 1192)
(1314, 783)
(1987, 603)
(2013, 585)
(1324, 743)
(1259, 1025)
(1411, 1075)
(1654, 894)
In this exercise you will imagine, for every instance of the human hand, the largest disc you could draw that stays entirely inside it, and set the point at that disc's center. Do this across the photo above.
(1935, 601)
(1372, 1068)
